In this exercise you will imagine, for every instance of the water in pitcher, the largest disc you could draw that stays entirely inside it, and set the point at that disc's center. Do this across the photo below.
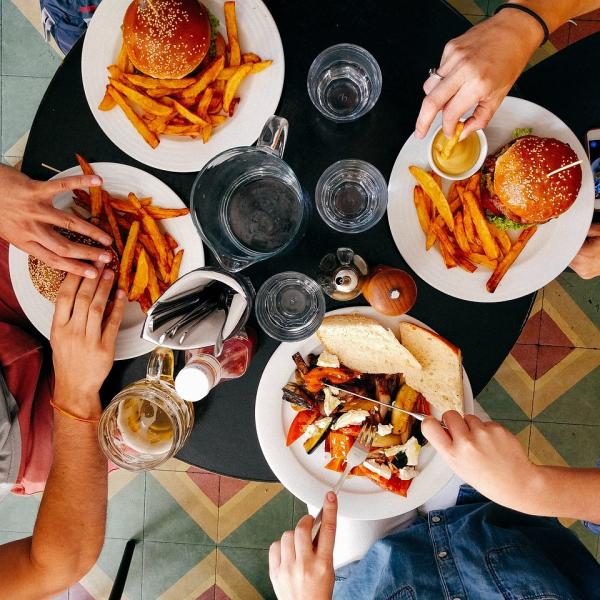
(263, 213)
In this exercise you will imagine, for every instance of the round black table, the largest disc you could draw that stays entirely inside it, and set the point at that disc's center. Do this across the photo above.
(406, 38)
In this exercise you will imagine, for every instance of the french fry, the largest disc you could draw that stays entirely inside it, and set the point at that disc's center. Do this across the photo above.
(205, 79)
(153, 284)
(148, 104)
(127, 257)
(159, 124)
(481, 225)
(148, 245)
(188, 115)
(204, 103)
(460, 235)
(159, 92)
(159, 213)
(115, 72)
(122, 59)
(501, 237)
(216, 104)
(140, 280)
(451, 251)
(469, 228)
(82, 199)
(483, 260)
(107, 102)
(448, 259)
(431, 238)
(151, 228)
(150, 82)
(140, 126)
(422, 214)
(220, 45)
(474, 183)
(232, 34)
(509, 259)
(432, 189)
(451, 143)
(250, 57)
(95, 191)
(173, 243)
(216, 120)
(233, 84)
(206, 133)
(261, 66)
(226, 73)
(145, 302)
(174, 274)
(112, 221)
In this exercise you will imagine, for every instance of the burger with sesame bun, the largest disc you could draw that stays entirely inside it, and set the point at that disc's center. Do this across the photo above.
(167, 39)
(516, 190)
(47, 280)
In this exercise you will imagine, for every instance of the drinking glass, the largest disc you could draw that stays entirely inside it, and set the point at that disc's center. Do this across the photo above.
(247, 203)
(290, 306)
(147, 422)
(344, 82)
(351, 196)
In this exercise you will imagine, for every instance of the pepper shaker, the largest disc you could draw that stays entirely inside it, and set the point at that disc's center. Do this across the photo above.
(342, 274)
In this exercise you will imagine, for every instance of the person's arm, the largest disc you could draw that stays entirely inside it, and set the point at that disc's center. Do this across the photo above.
(69, 530)
(587, 262)
(29, 220)
(491, 459)
(299, 570)
(480, 66)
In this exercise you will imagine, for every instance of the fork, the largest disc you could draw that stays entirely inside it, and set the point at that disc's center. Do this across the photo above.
(357, 455)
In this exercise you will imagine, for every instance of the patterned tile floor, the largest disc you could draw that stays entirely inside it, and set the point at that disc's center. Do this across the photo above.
(202, 536)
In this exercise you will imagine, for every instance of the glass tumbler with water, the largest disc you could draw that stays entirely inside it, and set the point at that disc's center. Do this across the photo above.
(247, 203)
(344, 82)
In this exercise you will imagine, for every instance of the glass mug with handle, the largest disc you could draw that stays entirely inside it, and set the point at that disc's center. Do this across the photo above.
(247, 203)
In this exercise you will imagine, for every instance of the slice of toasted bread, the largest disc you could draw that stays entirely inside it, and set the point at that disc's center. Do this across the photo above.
(364, 345)
(440, 378)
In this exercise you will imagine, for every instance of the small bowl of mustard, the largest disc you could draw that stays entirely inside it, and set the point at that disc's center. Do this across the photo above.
(465, 159)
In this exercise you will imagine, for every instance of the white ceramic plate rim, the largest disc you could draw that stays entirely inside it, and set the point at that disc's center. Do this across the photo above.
(260, 93)
(129, 342)
(547, 254)
(305, 476)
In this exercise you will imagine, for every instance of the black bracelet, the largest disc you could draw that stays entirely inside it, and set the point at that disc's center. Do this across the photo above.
(531, 13)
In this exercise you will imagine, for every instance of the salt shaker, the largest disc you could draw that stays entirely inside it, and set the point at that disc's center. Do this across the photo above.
(342, 274)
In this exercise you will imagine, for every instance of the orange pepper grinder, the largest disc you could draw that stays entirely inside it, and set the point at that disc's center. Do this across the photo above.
(390, 291)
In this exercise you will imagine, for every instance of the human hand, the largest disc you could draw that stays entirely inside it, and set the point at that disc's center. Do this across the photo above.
(487, 456)
(28, 221)
(297, 569)
(478, 70)
(83, 342)
(587, 262)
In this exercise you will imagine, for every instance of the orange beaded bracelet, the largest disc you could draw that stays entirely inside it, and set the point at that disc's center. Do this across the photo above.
(66, 413)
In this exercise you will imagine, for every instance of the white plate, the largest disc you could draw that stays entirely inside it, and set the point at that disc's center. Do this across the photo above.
(305, 475)
(259, 93)
(119, 180)
(548, 252)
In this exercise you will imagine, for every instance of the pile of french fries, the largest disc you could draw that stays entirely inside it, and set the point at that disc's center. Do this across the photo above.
(149, 258)
(458, 226)
(192, 106)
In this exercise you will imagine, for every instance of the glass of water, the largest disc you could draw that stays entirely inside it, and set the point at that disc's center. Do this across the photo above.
(290, 306)
(344, 82)
(351, 196)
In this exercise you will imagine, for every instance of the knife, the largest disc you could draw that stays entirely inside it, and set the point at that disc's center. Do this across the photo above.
(419, 416)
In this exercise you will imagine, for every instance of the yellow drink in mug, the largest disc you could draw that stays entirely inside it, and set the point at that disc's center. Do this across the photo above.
(147, 422)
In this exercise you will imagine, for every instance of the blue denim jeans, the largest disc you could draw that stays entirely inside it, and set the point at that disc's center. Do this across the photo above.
(475, 550)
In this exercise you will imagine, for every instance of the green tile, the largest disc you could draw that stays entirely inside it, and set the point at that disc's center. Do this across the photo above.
(498, 404)
(18, 513)
(469, 7)
(266, 525)
(586, 537)
(586, 292)
(492, 4)
(24, 50)
(515, 427)
(300, 510)
(165, 564)
(166, 521)
(253, 565)
(21, 97)
(579, 405)
(579, 445)
(125, 518)
(109, 562)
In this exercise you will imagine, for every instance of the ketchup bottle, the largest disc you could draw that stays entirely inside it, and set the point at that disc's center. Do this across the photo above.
(203, 371)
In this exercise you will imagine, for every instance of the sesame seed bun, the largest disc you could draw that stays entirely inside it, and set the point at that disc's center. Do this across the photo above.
(166, 39)
(515, 182)
(47, 280)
